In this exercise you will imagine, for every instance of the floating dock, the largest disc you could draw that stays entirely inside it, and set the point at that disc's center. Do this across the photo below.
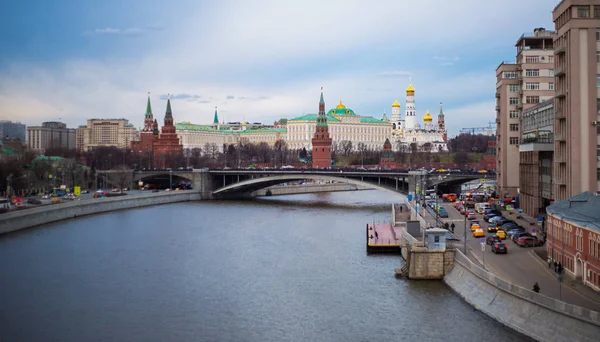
(383, 238)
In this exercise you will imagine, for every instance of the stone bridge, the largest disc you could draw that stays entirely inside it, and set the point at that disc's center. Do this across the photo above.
(240, 183)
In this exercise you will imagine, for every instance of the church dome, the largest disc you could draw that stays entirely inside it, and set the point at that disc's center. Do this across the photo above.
(427, 117)
(410, 90)
(341, 105)
(396, 104)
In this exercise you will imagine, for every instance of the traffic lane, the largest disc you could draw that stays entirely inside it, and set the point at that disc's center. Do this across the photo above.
(87, 196)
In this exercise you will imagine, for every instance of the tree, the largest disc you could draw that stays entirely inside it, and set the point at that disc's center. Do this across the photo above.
(303, 153)
(120, 176)
(461, 158)
(346, 147)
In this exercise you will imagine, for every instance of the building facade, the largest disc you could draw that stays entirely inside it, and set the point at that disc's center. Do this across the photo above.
(321, 141)
(117, 133)
(10, 129)
(50, 135)
(536, 150)
(343, 125)
(520, 86)
(577, 104)
(573, 236)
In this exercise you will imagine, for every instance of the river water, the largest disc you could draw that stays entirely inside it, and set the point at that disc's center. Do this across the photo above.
(290, 268)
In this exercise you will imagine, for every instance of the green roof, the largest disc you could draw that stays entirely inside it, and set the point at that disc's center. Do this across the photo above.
(9, 151)
(192, 127)
(341, 111)
(368, 119)
(313, 117)
(148, 108)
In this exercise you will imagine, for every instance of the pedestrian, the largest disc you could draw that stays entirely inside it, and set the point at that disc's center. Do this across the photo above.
(446, 226)
(401, 208)
(555, 266)
(536, 287)
(560, 268)
(452, 226)
(549, 262)
(376, 235)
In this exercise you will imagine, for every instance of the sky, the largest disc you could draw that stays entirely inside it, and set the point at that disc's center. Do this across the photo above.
(257, 61)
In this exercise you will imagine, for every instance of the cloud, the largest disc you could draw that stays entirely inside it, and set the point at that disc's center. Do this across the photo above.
(394, 73)
(446, 61)
(132, 31)
(230, 97)
(188, 97)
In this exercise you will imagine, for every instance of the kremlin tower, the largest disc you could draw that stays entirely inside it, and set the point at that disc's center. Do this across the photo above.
(441, 123)
(167, 148)
(147, 135)
(321, 141)
(410, 117)
(396, 117)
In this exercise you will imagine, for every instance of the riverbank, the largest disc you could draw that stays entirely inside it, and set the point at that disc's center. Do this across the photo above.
(532, 314)
(18, 220)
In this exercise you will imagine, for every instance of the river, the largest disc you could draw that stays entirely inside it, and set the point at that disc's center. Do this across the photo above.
(290, 268)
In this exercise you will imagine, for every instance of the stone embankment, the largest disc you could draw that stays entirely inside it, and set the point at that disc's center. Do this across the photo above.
(22, 219)
(532, 314)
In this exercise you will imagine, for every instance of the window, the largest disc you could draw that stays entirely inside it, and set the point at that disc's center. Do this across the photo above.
(532, 99)
(598, 174)
(513, 88)
(598, 81)
(515, 141)
(550, 72)
(514, 114)
(583, 11)
(550, 59)
(513, 100)
(514, 127)
(532, 85)
(598, 35)
(510, 74)
(596, 11)
(532, 72)
(598, 58)
(551, 86)
(598, 151)
(532, 59)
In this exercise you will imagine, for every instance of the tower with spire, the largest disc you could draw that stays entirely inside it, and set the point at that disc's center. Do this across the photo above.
(321, 141)
(397, 122)
(149, 133)
(442, 123)
(216, 119)
(410, 112)
(149, 117)
(167, 149)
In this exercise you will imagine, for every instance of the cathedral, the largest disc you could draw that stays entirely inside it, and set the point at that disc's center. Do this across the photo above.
(407, 130)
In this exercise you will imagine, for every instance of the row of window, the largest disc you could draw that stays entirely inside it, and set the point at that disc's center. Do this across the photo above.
(584, 12)
(528, 73)
(539, 59)
(513, 140)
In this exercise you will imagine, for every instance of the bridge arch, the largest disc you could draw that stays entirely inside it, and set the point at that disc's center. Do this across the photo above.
(248, 186)
(162, 180)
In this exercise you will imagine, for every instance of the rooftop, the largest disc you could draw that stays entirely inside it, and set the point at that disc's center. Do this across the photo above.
(581, 210)
(209, 128)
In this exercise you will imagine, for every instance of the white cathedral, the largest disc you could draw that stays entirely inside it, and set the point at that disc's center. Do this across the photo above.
(406, 131)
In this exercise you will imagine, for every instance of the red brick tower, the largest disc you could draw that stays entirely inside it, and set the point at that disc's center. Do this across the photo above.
(321, 141)
(147, 136)
(167, 148)
(387, 157)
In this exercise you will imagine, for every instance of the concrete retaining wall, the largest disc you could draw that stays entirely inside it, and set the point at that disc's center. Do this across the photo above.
(27, 218)
(532, 314)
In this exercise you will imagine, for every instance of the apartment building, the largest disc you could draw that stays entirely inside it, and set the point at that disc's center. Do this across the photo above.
(106, 133)
(577, 104)
(50, 135)
(10, 129)
(519, 86)
(536, 150)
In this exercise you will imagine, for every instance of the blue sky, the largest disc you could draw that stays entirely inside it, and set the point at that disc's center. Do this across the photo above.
(256, 60)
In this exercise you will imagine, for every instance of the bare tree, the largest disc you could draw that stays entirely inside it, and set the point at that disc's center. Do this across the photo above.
(211, 150)
(346, 146)
(120, 176)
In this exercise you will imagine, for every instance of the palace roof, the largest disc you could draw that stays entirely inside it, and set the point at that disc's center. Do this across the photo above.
(208, 128)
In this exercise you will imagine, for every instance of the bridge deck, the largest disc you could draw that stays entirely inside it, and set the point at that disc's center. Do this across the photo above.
(384, 241)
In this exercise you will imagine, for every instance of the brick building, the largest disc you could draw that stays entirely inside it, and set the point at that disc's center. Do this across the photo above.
(321, 141)
(387, 156)
(573, 236)
(167, 148)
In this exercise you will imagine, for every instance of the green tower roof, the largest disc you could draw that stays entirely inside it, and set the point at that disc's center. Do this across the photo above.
(169, 113)
(216, 118)
(148, 107)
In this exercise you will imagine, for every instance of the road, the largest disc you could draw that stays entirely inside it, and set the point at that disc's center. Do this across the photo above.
(519, 266)
(82, 197)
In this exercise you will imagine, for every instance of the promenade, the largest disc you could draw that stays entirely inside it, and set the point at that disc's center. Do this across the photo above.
(521, 265)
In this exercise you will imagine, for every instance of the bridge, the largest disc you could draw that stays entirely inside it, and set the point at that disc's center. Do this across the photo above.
(225, 183)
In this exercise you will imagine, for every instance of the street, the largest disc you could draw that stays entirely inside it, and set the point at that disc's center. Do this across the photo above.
(520, 265)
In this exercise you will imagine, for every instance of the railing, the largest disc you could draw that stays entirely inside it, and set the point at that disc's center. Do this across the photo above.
(561, 92)
(559, 71)
(559, 48)
(539, 140)
(540, 34)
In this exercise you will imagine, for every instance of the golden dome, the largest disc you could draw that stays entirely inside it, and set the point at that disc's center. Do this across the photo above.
(396, 104)
(410, 88)
(427, 117)
(340, 106)
(243, 123)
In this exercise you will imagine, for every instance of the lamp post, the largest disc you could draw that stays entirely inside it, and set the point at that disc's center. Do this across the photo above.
(170, 179)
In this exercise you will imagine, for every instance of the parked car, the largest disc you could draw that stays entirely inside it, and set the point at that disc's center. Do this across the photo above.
(472, 222)
(471, 215)
(515, 230)
(501, 234)
(504, 224)
(474, 227)
(478, 233)
(499, 248)
(34, 201)
(529, 241)
(487, 216)
(442, 213)
(494, 219)
(515, 236)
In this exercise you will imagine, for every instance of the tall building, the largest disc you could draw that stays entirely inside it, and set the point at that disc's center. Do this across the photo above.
(149, 133)
(520, 86)
(411, 113)
(321, 141)
(10, 129)
(167, 146)
(535, 158)
(117, 133)
(50, 135)
(577, 104)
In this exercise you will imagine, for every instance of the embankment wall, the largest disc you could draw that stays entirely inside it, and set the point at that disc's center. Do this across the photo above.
(27, 218)
(307, 189)
(532, 314)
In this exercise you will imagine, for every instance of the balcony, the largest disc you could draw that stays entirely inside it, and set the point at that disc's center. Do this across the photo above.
(497, 121)
(521, 92)
(559, 114)
(497, 95)
(497, 108)
(559, 159)
(537, 144)
(559, 71)
(561, 92)
(519, 106)
(558, 49)
(559, 181)
(559, 137)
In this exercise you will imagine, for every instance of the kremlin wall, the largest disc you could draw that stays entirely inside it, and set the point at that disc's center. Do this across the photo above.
(340, 124)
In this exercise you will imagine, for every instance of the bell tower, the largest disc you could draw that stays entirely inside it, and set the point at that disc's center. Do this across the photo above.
(321, 141)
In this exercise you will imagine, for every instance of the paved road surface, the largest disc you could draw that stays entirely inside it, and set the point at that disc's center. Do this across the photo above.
(520, 266)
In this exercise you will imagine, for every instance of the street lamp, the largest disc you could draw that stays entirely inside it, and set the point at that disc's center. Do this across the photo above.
(170, 179)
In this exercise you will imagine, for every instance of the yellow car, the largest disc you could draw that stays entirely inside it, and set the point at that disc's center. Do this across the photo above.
(478, 233)
(475, 227)
(55, 200)
(492, 229)
(501, 234)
